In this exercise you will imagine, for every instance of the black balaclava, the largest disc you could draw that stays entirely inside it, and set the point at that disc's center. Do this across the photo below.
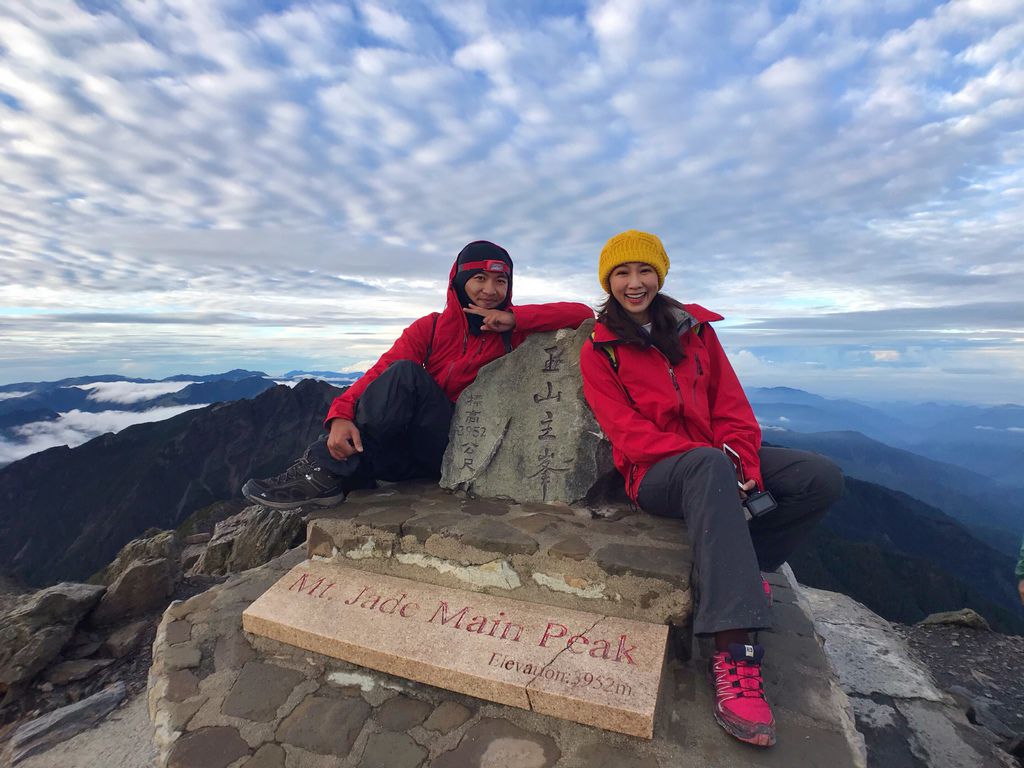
(479, 251)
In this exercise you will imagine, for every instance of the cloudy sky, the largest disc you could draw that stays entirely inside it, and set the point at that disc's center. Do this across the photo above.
(187, 187)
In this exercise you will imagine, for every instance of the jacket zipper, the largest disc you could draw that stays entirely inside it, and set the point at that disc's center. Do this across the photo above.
(451, 365)
(672, 375)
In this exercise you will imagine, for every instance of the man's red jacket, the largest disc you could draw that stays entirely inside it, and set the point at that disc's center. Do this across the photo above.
(455, 354)
(651, 410)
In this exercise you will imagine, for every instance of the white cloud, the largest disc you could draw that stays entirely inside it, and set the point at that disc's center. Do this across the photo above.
(387, 25)
(358, 366)
(267, 166)
(12, 395)
(128, 392)
(885, 355)
(76, 427)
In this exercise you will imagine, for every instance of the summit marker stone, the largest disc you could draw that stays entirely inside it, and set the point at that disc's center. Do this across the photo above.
(586, 667)
(523, 430)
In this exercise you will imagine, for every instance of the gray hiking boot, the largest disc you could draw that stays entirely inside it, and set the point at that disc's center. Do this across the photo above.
(301, 484)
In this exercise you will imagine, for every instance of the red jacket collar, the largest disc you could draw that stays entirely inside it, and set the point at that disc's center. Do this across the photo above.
(697, 314)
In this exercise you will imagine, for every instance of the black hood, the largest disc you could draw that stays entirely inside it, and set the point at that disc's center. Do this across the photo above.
(479, 251)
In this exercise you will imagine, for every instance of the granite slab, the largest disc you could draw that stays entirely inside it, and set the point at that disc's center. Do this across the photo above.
(585, 667)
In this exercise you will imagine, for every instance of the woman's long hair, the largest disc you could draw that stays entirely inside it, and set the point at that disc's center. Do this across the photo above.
(664, 335)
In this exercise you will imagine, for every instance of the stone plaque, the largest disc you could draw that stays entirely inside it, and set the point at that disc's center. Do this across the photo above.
(523, 430)
(593, 669)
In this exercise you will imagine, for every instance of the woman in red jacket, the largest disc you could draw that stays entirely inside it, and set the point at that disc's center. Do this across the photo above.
(663, 391)
(392, 424)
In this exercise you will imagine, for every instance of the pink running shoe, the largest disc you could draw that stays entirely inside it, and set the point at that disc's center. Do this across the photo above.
(740, 705)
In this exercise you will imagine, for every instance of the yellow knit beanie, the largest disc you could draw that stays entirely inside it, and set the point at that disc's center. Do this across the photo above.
(628, 246)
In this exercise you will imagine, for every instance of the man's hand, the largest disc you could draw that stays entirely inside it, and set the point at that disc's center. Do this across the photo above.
(344, 439)
(747, 487)
(1020, 588)
(495, 320)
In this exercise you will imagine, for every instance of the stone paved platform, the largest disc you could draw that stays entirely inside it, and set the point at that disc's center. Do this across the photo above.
(624, 564)
(220, 698)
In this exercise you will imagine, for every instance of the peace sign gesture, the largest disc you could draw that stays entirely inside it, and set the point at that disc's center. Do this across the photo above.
(495, 320)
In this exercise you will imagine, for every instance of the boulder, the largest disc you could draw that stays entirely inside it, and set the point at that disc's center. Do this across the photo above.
(143, 587)
(164, 544)
(981, 713)
(965, 617)
(54, 727)
(249, 539)
(523, 430)
(191, 554)
(126, 639)
(1016, 747)
(35, 631)
(74, 670)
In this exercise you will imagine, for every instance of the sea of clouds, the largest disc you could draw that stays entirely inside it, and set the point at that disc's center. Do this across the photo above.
(76, 427)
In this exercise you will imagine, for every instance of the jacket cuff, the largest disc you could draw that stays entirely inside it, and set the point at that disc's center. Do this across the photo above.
(341, 408)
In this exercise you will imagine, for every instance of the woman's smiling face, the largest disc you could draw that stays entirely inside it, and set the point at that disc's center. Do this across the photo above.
(634, 285)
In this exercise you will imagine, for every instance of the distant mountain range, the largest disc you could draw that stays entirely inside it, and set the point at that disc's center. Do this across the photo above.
(989, 440)
(994, 513)
(93, 394)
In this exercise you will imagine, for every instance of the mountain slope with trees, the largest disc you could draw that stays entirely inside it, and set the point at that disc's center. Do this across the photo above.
(65, 512)
(904, 559)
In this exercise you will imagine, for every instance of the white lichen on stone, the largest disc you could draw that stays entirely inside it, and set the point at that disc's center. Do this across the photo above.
(365, 550)
(364, 681)
(497, 573)
(558, 583)
(369, 684)
(326, 558)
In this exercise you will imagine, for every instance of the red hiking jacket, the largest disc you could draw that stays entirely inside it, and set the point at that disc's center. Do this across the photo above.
(651, 410)
(455, 354)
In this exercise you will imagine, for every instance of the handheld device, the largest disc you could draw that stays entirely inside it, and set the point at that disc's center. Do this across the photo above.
(756, 503)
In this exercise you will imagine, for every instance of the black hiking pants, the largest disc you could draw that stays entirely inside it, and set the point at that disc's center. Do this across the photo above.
(699, 486)
(403, 418)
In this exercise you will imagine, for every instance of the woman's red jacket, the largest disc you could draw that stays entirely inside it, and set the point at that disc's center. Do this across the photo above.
(455, 355)
(651, 410)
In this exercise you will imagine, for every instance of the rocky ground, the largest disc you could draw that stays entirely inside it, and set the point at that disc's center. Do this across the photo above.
(977, 667)
(982, 670)
(71, 653)
(132, 669)
(907, 685)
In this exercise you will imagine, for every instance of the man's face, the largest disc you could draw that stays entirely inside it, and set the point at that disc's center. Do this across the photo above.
(487, 289)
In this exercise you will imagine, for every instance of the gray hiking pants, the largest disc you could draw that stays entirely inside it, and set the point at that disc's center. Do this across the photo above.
(699, 486)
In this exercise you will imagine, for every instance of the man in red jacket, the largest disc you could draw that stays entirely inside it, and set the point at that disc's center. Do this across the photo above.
(392, 424)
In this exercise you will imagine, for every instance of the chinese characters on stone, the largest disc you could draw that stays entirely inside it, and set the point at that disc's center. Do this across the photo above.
(547, 460)
(471, 431)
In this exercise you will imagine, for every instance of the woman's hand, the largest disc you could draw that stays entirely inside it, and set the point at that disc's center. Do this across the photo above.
(1020, 588)
(495, 320)
(747, 487)
(344, 439)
